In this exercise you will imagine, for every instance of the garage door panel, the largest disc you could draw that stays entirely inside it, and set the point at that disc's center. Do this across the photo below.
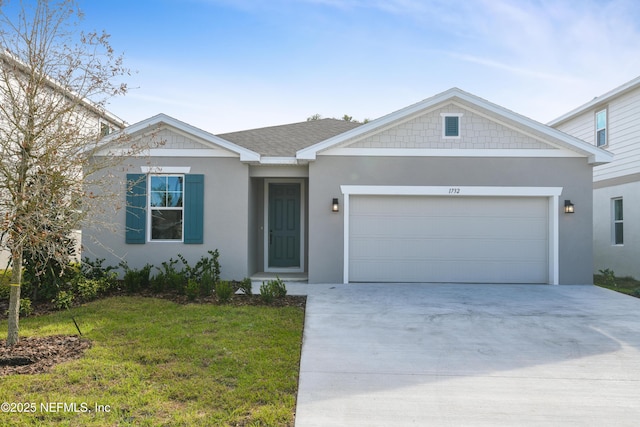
(443, 227)
(464, 249)
(436, 239)
(449, 271)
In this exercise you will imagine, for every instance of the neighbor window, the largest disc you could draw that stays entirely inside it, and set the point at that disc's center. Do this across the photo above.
(451, 125)
(601, 128)
(618, 226)
(104, 129)
(166, 206)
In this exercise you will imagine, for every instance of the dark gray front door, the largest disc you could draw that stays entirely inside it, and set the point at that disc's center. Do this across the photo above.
(284, 225)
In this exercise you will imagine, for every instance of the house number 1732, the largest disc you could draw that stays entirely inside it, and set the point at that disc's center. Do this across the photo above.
(454, 190)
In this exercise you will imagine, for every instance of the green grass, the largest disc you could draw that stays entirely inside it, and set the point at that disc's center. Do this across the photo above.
(157, 363)
(625, 285)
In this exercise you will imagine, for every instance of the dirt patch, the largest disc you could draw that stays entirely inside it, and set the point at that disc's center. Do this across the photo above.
(34, 355)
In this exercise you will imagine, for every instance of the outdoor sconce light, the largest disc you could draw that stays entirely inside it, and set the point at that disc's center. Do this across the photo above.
(335, 207)
(568, 206)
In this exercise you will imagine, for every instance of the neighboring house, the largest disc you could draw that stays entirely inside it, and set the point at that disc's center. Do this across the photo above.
(97, 122)
(612, 122)
(451, 189)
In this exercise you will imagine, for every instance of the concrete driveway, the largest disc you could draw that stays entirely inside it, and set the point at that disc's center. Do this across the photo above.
(469, 355)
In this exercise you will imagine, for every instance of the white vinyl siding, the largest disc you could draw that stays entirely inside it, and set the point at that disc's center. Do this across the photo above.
(623, 133)
(445, 239)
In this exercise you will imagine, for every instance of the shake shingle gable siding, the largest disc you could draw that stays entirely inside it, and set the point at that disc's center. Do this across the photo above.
(286, 140)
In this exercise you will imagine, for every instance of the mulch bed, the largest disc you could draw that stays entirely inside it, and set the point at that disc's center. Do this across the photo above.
(35, 355)
(237, 300)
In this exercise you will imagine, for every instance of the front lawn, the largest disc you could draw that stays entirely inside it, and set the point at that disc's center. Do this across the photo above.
(157, 363)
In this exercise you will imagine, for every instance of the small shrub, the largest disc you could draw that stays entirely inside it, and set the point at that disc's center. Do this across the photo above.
(245, 286)
(207, 283)
(266, 292)
(224, 290)
(169, 278)
(273, 289)
(279, 287)
(206, 265)
(93, 269)
(192, 290)
(63, 300)
(131, 281)
(5, 291)
(90, 289)
(608, 278)
(87, 289)
(636, 292)
(135, 279)
(25, 307)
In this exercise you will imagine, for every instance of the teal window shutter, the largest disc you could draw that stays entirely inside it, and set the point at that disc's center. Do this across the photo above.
(136, 221)
(193, 209)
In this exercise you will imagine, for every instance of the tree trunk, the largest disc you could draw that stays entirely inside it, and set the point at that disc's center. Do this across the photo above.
(14, 298)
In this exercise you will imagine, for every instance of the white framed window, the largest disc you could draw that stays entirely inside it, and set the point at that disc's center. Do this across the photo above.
(617, 223)
(451, 125)
(601, 128)
(166, 207)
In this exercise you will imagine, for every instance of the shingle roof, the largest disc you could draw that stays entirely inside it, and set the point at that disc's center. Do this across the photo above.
(286, 140)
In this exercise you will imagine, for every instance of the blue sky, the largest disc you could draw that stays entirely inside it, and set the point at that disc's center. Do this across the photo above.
(225, 65)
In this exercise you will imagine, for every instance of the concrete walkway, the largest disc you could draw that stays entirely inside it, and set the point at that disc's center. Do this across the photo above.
(468, 355)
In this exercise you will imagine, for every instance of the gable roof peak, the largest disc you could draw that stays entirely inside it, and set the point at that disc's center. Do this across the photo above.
(209, 138)
(595, 155)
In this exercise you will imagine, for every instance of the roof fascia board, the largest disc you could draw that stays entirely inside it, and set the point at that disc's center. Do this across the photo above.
(599, 100)
(594, 154)
(8, 56)
(446, 152)
(205, 137)
(264, 160)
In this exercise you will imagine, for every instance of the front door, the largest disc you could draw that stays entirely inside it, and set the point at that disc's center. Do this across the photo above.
(284, 225)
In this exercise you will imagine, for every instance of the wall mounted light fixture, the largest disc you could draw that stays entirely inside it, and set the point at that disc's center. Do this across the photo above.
(568, 207)
(335, 207)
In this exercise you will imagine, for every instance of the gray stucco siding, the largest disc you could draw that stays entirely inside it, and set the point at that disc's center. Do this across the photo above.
(328, 173)
(226, 221)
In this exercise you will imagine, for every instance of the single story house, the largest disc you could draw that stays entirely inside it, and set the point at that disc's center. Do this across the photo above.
(610, 121)
(450, 189)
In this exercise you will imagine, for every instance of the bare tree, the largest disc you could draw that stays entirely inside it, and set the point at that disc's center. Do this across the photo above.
(54, 83)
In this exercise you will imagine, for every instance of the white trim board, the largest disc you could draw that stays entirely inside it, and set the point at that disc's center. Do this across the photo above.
(170, 152)
(553, 193)
(166, 169)
(445, 152)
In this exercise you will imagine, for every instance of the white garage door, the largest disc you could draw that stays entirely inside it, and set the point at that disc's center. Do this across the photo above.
(448, 239)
